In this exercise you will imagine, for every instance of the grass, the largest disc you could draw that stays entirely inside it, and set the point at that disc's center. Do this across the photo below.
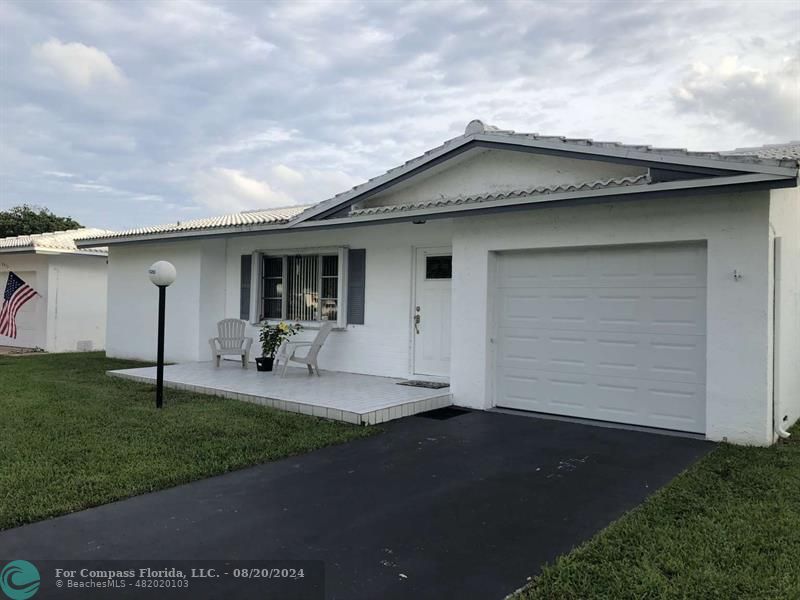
(729, 527)
(71, 437)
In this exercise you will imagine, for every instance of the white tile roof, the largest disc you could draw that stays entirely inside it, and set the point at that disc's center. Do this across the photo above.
(268, 216)
(787, 151)
(55, 242)
(489, 197)
(781, 159)
(490, 132)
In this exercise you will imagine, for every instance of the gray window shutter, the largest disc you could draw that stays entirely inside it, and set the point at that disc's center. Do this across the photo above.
(244, 298)
(356, 276)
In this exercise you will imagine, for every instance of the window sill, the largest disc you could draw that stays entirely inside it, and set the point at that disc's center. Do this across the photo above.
(306, 325)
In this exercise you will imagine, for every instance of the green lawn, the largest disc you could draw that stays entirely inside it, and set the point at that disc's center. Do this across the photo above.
(728, 528)
(71, 437)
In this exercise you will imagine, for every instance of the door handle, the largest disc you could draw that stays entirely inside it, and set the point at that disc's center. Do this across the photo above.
(417, 319)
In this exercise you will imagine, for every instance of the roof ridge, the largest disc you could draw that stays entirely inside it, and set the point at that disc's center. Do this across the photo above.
(287, 207)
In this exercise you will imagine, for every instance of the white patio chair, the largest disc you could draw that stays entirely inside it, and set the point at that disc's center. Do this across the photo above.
(288, 351)
(231, 341)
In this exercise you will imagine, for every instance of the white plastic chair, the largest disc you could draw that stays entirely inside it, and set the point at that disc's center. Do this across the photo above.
(231, 341)
(288, 351)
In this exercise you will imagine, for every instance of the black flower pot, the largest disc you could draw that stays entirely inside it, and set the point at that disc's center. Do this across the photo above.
(264, 363)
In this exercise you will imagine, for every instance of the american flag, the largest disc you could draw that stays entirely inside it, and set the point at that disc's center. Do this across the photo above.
(17, 293)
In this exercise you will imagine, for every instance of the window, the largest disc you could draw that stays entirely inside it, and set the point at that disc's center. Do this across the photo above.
(438, 267)
(303, 287)
(272, 287)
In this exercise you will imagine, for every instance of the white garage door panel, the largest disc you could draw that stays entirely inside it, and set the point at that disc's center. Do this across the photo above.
(654, 357)
(671, 406)
(614, 334)
(657, 310)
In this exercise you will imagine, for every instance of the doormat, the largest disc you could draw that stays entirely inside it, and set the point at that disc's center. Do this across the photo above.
(431, 385)
(440, 414)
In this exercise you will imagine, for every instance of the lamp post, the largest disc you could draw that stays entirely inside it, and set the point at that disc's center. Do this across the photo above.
(162, 274)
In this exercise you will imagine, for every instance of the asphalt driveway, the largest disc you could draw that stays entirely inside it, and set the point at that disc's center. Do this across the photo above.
(465, 507)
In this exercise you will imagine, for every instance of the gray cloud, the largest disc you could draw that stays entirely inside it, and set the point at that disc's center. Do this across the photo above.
(152, 111)
(767, 101)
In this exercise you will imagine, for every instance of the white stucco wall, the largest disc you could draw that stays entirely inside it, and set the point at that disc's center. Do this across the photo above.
(133, 302)
(207, 290)
(499, 171)
(784, 218)
(735, 229)
(32, 317)
(76, 308)
(213, 286)
(72, 302)
(381, 346)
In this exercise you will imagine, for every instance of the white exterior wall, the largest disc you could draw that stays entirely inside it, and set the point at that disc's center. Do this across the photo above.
(784, 218)
(72, 302)
(498, 171)
(213, 284)
(76, 308)
(133, 302)
(382, 345)
(32, 317)
(207, 290)
(735, 229)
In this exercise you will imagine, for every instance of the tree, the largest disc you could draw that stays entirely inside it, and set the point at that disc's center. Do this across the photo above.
(27, 220)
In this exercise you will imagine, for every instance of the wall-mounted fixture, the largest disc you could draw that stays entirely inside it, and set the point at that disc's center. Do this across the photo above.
(737, 275)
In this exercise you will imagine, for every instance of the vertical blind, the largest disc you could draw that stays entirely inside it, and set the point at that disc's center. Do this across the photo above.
(299, 287)
(303, 281)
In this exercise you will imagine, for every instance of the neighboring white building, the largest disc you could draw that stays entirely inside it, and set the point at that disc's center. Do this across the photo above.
(598, 280)
(69, 314)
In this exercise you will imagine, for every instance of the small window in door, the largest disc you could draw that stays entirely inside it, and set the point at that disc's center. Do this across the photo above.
(438, 267)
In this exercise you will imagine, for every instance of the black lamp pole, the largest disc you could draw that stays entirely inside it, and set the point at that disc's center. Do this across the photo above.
(162, 303)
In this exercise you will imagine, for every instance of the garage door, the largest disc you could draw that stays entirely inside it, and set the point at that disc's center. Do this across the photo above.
(616, 334)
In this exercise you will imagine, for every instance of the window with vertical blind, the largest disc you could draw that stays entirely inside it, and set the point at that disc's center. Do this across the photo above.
(304, 287)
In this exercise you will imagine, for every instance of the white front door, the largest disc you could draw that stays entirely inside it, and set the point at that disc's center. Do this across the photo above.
(431, 311)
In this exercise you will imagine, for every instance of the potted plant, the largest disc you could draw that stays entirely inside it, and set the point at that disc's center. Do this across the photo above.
(271, 338)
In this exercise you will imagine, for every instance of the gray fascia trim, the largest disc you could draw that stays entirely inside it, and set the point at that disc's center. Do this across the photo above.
(179, 235)
(18, 250)
(437, 156)
(629, 155)
(765, 180)
(50, 251)
(47, 252)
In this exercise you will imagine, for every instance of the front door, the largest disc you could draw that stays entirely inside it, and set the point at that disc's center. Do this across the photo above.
(431, 311)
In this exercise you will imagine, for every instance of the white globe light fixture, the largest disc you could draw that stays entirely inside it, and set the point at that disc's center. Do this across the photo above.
(162, 274)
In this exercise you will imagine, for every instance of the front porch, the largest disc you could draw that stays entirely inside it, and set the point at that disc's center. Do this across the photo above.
(348, 397)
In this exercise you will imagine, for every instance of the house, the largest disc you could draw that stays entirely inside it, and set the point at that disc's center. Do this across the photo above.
(69, 312)
(622, 283)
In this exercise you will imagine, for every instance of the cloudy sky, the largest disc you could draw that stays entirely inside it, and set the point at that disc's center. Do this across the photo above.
(128, 113)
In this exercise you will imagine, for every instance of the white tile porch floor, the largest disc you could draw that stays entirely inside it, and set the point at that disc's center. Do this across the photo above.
(361, 399)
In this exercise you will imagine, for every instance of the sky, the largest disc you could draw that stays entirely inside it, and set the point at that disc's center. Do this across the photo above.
(123, 114)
